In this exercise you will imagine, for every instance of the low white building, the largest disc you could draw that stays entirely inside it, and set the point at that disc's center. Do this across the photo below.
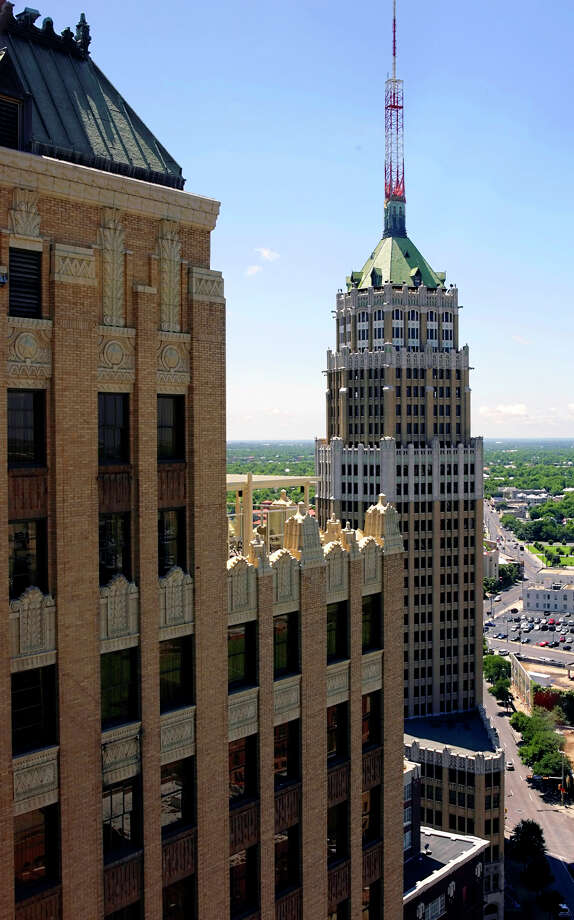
(490, 559)
(550, 595)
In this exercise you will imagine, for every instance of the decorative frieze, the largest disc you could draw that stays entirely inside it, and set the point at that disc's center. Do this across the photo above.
(372, 671)
(243, 713)
(35, 780)
(175, 603)
(371, 556)
(116, 357)
(121, 753)
(285, 581)
(111, 242)
(287, 699)
(32, 624)
(119, 611)
(241, 590)
(74, 264)
(24, 217)
(337, 572)
(169, 247)
(29, 350)
(173, 359)
(337, 683)
(206, 284)
(177, 734)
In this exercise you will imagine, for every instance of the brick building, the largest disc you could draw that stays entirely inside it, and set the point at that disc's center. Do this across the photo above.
(183, 743)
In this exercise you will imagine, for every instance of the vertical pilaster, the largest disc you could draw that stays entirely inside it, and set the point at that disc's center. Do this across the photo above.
(355, 739)
(266, 742)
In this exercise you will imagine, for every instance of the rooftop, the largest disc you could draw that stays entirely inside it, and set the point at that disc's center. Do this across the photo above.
(464, 732)
(443, 853)
(56, 102)
(398, 261)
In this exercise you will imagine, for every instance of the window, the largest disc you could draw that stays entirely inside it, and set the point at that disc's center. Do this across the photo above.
(121, 813)
(171, 540)
(337, 732)
(371, 902)
(36, 850)
(170, 429)
(175, 673)
(244, 882)
(436, 908)
(371, 820)
(372, 637)
(285, 644)
(133, 912)
(119, 673)
(242, 769)
(27, 556)
(242, 656)
(25, 282)
(371, 719)
(177, 794)
(407, 840)
(114, 547)
(34, 717)
(26, 428)
(113, 428)
(337, 833)
(287, 753)
(337, 631)
(179, 900)
(10, 112)
(287, 860)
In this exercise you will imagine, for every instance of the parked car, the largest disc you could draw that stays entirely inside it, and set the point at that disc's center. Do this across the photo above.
(543, 644)
(524, 640)
(563, 638)
(497, 598)
(514, 609)
(567, 647)
(510, 765)
(564, 912)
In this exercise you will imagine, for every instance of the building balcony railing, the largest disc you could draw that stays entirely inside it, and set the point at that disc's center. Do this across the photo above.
(372, 863)
(171, 485)
(243, 827)
(287, 807)
(114, 489)
(179, 856)
(372, 768)
(27, 493)
(32, 625)
(338, 784)
(290, 906)
(46, 905)
(339, 884)
(123, 882)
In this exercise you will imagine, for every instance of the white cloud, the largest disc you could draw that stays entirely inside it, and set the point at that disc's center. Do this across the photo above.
(521, 340)
(253, 270)
(268, 255)
(502, 413)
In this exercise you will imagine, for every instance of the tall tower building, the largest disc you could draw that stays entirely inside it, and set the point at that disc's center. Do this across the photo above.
(398, 422)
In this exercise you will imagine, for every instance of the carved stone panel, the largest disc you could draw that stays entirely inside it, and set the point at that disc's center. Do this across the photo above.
(121, 753)
(206, 284)
(119, 609)
(290, 906)
(173, 360)
(32, 624)
(372, 768)
(372, 571)
(339, 884)
(287, 699)
(337, 572)
(23, 217)
(243, 827)
(241, 590)
(243, 713)
(287, 807)
(169, 246)
(44, 906)
(116, 357)
(337, 683)
(175, 599)
(372, 864)
(35, 780)
(338, 784)
(179, 856)
(74, 264)
(111, 241)
(372, 671)
(286, 574)
(29, 350)
(123, 883)
(178, 734)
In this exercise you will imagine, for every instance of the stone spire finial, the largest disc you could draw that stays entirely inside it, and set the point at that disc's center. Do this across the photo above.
(258, 555)
(302, 537)
(382, 523)
(333, 530)
(349, 540)
(83, 37)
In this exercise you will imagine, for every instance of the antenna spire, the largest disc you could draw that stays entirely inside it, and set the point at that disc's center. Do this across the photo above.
(394, 148)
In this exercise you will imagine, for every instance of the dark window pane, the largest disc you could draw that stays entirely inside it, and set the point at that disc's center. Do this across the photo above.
(371, 820)
(371, 719)
(113, 428)
(337, 742)
(119, 687)
(10, 113)
(285, 644)
(176, 673)
(114, 546)
(36, 850)
(25, 282)
(121, 818)
(337, 631)
(287, 753)
(34, 720)
(179, 900)
(242, 655)
(337, 833)
(177, 794)
(242, 769)
(170, 429)
(27, 560)
(244, 881)
(287, 860)
(26, 428)
(372, 637)
(171, 539)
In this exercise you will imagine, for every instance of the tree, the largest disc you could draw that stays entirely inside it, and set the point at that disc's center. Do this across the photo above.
(537, 874)
(519, 721)
(527, 841)
(501, 691)
(549, 764)
(496, 667)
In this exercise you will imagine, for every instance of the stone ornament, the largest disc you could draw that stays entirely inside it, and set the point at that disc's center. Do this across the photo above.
(116, 350)
(337, 683)
(169, 246)
(206, 284)
(35, 780)
(178, 734)
(32, 623)
(372, 672)
(74, 265)
(121, 752)
(478, 870)
(173, 359)
(175, 598)
(287, 699)
(451, 890)
(29, 347)
(111, 242)
(243, 714)
(119, 609)
(371, 554)
(285, 578)
(241, 586)
(420, 911)
(23, 217)
(337, 568)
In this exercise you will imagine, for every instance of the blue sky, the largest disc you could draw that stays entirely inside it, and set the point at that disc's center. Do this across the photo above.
(277, 110)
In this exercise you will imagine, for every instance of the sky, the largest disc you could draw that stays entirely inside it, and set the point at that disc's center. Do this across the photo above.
(277, 111)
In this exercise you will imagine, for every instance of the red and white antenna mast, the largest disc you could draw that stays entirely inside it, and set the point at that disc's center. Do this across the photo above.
(394, 145)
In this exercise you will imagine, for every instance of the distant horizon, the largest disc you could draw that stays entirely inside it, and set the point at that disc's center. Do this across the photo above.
(497, 440)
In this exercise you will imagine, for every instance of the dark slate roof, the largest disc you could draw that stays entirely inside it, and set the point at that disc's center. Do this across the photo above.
(442, 849)
(72, 112)
(463, 731)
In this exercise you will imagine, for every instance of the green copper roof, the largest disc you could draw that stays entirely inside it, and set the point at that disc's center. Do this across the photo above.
(398, 261)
